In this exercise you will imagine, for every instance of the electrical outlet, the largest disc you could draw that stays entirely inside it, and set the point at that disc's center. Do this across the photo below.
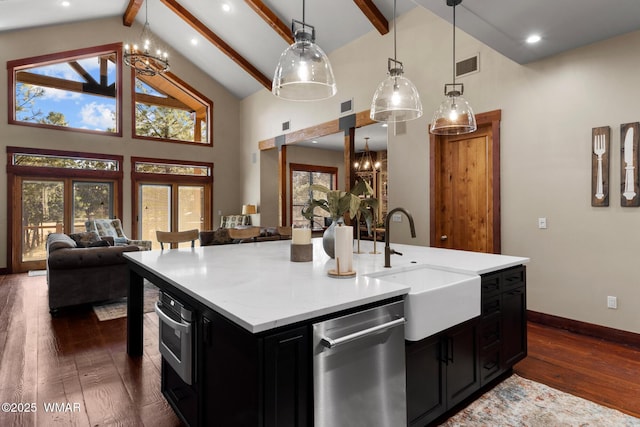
(396, 217)
(542, 223)
(612, 302)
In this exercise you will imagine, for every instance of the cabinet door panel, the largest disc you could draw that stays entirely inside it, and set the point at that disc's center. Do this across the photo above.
(425, 377)
(463, 377)
(514, 324)
(286, 396)
(227, 369)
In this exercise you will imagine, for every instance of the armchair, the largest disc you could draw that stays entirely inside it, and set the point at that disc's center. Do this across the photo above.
(113, 228)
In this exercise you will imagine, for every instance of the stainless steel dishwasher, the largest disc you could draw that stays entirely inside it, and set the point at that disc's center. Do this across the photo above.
(359, 369)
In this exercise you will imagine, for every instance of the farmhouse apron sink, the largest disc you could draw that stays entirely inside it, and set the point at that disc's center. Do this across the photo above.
(438, 299)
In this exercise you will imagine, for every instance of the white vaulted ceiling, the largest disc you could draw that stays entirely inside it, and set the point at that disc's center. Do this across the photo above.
(501, 24)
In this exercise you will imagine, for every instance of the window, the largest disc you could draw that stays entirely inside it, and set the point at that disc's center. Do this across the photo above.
(167, 109)
(61, 161)
(77, 90)
(171, 196)
(172, 169)
(301, 178)
(57, 192)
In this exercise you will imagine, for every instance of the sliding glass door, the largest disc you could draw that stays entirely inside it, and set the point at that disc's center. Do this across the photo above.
(56, 206)
(42, 212)
(170, 207)
(91, 200)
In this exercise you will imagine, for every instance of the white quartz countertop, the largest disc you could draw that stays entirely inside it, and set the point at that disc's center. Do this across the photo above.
(256, 286)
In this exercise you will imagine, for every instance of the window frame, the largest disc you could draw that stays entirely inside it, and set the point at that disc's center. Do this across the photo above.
(54, 58)
(139, 178)
(18, 172)
(299, 167)
(182, 85)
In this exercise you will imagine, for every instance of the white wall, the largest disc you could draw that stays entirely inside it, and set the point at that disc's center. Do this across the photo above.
(226, 128)
(548, 110)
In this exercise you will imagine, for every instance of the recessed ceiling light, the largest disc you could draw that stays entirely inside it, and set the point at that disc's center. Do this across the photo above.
(314, 142)
(66, 3)
(194, 41)
(226, 7)
(384, 125)
(533, 38)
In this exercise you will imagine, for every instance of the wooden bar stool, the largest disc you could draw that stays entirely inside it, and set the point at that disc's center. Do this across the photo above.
(240, 234)
(175, 237)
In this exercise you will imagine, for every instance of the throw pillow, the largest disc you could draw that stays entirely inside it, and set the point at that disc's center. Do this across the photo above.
(98, 244)
(85, 238)
(117, 225)
(104, 228)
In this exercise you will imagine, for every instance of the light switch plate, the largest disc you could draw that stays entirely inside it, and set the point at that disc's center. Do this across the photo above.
(542, 223)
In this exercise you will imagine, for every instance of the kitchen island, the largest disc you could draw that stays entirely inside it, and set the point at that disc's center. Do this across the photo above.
(253, 312)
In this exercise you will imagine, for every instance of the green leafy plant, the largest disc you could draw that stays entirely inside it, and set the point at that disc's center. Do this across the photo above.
(357, 203)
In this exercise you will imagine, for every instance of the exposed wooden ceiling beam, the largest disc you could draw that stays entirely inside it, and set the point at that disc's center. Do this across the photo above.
(80, 70)
(63, 84)
(132, 10)
(374, 15)
(272, 19)
(159, 101)
(212, 37)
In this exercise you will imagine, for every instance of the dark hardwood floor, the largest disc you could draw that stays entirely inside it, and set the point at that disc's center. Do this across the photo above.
(74, 359)
(77, 359)
(591, 368)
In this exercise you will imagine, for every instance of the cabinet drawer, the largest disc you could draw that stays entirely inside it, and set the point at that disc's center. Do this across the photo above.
(489, 333)
(513, 277)
(490, 284)
(489, 366)
(491, 306)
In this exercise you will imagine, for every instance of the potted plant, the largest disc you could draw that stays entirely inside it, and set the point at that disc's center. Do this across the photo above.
(357, 203)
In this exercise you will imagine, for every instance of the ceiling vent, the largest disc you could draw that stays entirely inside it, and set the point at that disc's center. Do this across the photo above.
(286, 125)
(346, 106)
(468, 66)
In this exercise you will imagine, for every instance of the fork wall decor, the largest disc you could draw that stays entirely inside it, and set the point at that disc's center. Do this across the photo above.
(600, 149)
(629, 185)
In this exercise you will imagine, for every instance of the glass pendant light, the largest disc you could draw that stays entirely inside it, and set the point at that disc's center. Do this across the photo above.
(396, 99)
(303, 72)
(454, 116)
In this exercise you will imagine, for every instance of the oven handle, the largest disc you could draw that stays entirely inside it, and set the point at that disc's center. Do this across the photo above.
(182, 327)
(334, 342)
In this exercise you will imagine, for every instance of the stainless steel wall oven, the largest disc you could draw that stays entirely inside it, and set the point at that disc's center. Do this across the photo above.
(177, 347)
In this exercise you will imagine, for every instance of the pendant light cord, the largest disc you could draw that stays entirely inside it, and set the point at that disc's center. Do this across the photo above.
(303, 20)
(454, 46)
(395, 55)
(146, 12)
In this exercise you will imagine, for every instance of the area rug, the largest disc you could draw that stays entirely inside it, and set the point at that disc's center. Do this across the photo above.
(34, 273)
(117, 309)
(521, 402)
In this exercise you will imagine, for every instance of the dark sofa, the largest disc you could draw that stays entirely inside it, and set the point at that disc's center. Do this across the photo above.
(80, 275)
(221, 236)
